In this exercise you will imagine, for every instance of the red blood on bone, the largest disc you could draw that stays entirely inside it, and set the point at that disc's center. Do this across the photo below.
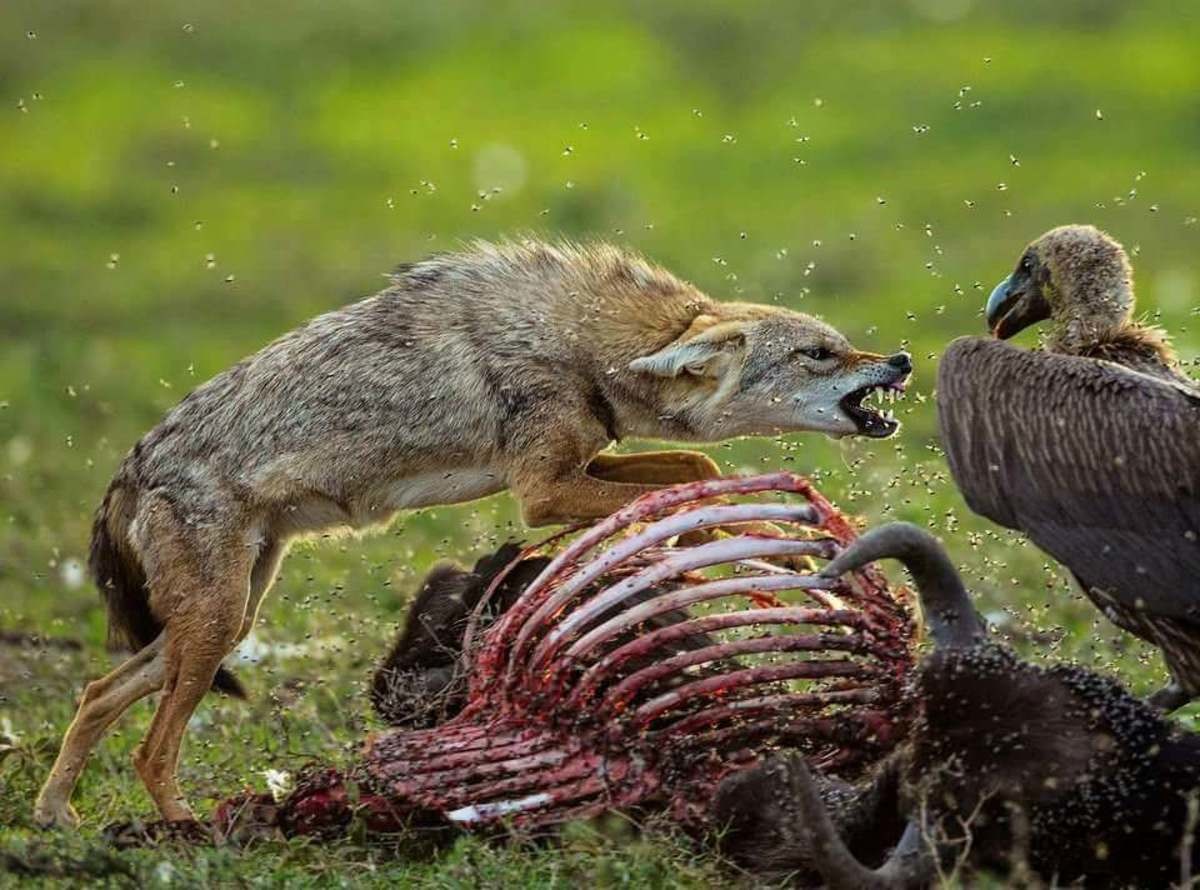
(671, 666)
(578, 703)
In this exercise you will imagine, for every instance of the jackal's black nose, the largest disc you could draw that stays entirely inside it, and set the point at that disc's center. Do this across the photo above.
(901, 361)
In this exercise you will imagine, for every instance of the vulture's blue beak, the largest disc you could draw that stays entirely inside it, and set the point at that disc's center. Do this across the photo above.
(1015, 304)
(998, 298)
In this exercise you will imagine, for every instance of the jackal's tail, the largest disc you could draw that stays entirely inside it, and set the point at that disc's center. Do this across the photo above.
(118, 573)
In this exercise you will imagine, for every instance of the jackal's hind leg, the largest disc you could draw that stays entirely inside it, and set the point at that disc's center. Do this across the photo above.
(195, 645)
(262, 576)
(103, 701)
(199, 579)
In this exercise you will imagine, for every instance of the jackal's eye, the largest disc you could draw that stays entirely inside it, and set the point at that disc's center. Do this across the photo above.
(816, 353)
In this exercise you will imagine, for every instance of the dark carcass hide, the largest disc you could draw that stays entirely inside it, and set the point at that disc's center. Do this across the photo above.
(1044, 774)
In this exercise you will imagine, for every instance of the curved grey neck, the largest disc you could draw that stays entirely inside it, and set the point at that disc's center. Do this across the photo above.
(949, 615)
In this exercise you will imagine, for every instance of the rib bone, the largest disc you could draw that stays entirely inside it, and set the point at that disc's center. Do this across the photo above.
(636, 667)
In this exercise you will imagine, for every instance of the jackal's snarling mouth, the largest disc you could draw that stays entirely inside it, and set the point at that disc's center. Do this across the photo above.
(870, 422)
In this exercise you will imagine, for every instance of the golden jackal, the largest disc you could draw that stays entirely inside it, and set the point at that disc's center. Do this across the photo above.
(502, 366)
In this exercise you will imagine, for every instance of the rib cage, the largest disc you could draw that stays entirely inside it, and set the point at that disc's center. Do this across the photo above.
(575, 705)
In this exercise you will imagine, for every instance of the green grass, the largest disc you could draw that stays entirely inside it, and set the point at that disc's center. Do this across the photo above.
(181, 182)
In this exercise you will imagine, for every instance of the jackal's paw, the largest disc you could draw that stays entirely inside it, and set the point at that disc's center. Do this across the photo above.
(54, 814)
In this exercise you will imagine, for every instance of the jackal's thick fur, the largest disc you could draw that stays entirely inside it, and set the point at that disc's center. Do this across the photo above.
(502, 366)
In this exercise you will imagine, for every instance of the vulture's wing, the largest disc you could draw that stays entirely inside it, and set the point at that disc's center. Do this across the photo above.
(1097, 464)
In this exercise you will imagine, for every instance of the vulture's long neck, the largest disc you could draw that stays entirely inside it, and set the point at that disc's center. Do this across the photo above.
(1095, 321)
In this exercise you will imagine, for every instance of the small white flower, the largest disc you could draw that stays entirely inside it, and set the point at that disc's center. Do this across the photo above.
(279, 783)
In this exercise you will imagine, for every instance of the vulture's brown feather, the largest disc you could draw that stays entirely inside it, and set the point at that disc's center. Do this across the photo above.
(1099, 465)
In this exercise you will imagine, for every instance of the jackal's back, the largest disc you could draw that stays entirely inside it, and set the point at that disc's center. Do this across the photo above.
(446, 368)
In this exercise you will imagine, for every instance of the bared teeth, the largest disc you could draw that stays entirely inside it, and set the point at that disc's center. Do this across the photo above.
(881, 395)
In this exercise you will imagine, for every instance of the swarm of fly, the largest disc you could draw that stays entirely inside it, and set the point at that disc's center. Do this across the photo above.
(639, 669)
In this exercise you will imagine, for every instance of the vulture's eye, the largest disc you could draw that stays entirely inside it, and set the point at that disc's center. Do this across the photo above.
(1027, 263)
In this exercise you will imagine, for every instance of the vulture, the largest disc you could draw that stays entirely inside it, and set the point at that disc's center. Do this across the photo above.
(1090, 446)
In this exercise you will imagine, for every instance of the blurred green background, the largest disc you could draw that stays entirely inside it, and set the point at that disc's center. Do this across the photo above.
(181, 182)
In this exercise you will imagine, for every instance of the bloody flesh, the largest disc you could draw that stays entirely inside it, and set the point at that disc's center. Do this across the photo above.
(574, 708)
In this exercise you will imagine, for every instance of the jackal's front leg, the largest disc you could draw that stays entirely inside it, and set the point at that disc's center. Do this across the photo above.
(570, 495)
(654, 467)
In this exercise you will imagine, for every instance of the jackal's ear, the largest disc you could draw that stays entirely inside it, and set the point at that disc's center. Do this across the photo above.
(705, 349)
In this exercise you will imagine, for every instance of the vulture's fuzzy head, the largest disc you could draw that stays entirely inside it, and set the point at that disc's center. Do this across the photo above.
(1079, 278)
